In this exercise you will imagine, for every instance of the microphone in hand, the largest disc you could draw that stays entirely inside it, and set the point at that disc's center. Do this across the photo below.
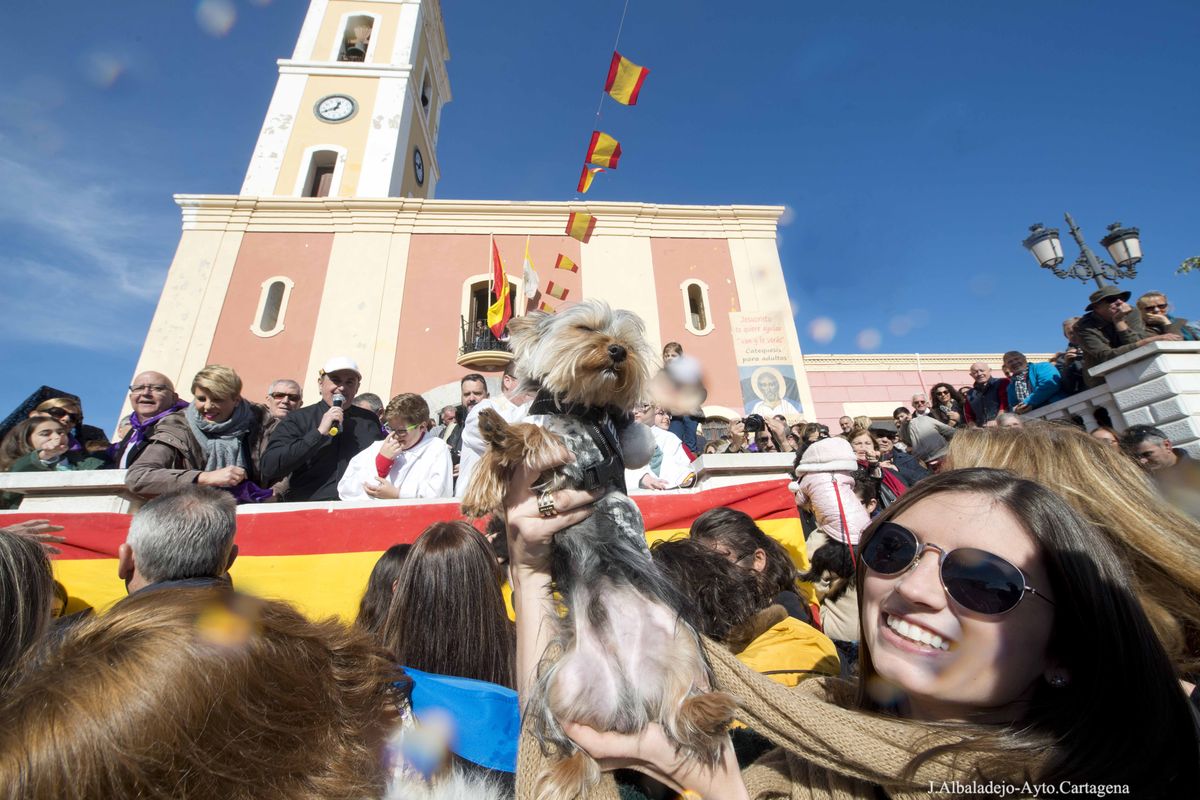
(338, 402)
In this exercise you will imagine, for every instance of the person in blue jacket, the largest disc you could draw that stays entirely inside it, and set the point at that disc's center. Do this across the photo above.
(1031, 385)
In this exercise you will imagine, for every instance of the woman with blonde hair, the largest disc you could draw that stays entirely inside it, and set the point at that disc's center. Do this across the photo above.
(217, 441)
(1158, 543)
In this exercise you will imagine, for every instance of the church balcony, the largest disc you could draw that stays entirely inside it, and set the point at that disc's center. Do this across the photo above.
(481, 349)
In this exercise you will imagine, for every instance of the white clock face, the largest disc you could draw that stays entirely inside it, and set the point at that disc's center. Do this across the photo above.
(418, 167)
(336, 108)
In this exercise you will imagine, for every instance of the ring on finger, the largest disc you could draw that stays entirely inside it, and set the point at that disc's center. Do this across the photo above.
(546, 505)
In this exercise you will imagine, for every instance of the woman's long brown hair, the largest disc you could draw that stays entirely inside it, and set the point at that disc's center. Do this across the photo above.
(447, 615)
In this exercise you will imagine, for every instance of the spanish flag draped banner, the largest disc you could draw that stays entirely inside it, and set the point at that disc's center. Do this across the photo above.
(625, 80)
(603, 151)
(499, 312)
(580, 226)
(319, 558)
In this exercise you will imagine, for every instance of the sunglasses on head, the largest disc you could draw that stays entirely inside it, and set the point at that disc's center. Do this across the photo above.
(977, 580)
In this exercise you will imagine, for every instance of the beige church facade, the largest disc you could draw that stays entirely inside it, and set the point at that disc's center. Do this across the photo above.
(336, 245)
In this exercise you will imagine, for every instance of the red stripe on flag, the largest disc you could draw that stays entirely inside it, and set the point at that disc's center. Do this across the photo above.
(613, 68)
(637, 87)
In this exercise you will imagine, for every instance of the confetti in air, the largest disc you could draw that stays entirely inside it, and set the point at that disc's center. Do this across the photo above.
(216, 17)
(868, 339)
(822, 330)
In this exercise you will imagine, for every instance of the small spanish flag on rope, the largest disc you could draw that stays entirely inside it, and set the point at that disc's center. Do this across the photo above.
(603, 150)
(549, 309)
(565, 263)
(585, 178)
(557, 292)
(625, 80)
(580, 226)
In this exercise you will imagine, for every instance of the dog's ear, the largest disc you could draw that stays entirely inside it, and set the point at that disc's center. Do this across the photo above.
(523, 333)
(485, 492)
(543, 450)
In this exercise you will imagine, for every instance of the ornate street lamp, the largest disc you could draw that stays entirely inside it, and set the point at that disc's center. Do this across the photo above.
(1123, 246)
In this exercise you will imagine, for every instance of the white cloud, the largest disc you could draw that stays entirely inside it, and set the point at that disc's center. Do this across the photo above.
(82, 266)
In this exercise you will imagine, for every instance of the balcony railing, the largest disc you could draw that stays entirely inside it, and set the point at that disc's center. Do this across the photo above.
(480, 348)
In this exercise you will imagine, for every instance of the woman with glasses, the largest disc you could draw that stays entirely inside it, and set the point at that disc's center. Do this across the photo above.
(68, 411)
(218, 441)
(947, 405)
(1000, 645)
(408, 463)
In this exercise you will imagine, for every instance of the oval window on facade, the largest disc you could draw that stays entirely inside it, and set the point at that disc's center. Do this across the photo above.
(272, 306)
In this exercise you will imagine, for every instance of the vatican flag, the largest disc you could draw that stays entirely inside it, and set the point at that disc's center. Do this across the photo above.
(531, 277)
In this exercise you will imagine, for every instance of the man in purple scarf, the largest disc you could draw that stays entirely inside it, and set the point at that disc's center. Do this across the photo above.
(153, 397)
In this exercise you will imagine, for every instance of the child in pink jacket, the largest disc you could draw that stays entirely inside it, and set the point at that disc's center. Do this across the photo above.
(826, 473)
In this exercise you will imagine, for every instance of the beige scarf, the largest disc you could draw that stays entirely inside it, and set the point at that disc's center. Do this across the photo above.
(828, 751)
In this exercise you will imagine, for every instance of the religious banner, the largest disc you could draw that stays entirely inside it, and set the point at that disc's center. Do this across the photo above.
(765, 370)
(320, 558)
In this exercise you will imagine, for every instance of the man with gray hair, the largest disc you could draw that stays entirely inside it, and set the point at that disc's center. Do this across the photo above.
(183, 538)
(284, 397)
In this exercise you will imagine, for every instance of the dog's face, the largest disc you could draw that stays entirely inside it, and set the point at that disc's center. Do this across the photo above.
(586, 353)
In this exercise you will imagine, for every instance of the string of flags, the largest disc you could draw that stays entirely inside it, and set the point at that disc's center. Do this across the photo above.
(623, 83)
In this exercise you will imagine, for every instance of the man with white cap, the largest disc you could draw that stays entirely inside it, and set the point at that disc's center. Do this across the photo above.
(314, 444)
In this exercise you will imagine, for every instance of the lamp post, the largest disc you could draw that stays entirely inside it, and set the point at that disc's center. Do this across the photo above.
(1122, 244)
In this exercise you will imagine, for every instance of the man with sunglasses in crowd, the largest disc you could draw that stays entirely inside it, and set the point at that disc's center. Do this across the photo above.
(1111, 327)
(153, 398)
(314, 444)
(284, 397)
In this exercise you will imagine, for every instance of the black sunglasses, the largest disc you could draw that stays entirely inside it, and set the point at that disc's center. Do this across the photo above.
(977, 580)
(60, 413)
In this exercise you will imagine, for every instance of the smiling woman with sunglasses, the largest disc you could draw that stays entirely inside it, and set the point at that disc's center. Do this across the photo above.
(1000, 644)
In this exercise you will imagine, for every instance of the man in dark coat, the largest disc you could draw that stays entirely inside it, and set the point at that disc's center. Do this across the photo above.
(1111, 327)
(314, 444)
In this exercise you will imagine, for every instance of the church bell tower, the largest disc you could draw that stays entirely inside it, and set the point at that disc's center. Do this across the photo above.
(356, 109)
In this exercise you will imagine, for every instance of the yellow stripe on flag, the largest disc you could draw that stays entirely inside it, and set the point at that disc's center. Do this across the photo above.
(585, 178)
(625, 80)
(603, 150)
(580, 226)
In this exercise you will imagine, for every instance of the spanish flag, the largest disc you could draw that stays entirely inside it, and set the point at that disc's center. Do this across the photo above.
(549, 309)
(580, 226)
(320, 558)
(625, 80)
(557, 292)
(603, 150)
(565, 263)
(585, 178)
(499, 312)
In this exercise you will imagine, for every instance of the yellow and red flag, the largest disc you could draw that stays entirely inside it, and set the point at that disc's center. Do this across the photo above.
(557, 292)
(625, 80)
(603, 150)
(499, 312)
(565, 263)
(585, 178)
(320, 558)
(549, 309)
(580, 226)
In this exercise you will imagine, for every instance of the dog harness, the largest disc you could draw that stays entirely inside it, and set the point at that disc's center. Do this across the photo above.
(598, 422)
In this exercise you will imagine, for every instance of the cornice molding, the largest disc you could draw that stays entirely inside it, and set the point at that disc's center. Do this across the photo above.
(844, 362)
(415, 215)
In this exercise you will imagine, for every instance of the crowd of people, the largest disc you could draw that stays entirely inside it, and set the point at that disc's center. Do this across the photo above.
(997, 606)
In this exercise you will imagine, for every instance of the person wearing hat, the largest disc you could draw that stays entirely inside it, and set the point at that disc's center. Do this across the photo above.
(1111, 327)
(907, 466)
(314, 444)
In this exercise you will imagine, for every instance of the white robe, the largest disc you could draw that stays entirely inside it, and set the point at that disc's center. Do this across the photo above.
(675, 466)
(473, 445)
(425, 470)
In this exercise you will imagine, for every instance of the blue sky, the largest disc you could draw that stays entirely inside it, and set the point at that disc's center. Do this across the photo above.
(913, 144)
